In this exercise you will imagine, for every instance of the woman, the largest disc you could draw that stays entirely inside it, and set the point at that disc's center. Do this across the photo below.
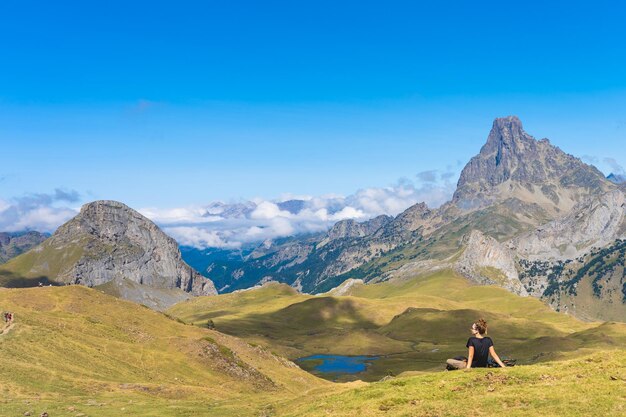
(480, 347)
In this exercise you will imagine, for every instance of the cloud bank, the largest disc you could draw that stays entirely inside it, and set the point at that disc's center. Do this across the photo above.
(221, 225)
(41, 212)
(233, 225)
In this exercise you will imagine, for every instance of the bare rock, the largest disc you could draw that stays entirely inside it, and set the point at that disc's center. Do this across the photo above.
(595, 222)
(486, 261)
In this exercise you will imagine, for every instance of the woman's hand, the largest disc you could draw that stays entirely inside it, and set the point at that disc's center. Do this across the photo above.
(495, 357)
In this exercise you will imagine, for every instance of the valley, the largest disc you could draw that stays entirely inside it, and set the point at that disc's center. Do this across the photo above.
(412, 326)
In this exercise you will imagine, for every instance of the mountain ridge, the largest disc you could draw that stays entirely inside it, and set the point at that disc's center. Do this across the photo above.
(506, 194)
(14, 244)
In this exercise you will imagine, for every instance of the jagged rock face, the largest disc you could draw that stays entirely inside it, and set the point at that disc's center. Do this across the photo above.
(118, 243)
(513, 164)
(486, 262)
(595, 222)
(352, 228)
(410, 220)
(576, 263)
(14, 244)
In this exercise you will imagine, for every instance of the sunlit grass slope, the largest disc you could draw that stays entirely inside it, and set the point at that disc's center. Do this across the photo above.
(41, 264)
(414, 324)
(76, 347)
(593, 385)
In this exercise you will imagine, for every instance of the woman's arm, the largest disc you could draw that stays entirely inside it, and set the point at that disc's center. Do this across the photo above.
(470, 357)
(494, 355)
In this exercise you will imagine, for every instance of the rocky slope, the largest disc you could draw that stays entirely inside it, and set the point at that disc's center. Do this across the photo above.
(595, 222)
(14, 244)
(109, 243)
(485, 261)
(576, 263)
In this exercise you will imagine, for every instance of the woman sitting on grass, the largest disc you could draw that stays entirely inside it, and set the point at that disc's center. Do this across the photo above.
(480, 347)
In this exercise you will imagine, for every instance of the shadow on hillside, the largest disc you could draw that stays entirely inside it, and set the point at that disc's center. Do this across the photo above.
(10, 280)
(309, 317)
(417, 324)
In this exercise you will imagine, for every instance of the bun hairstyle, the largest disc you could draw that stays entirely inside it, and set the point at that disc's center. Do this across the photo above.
(481, 326)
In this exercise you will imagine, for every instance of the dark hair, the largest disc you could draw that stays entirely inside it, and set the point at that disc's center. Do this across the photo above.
(481, 326)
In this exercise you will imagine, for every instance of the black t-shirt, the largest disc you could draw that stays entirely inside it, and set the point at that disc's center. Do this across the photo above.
(481, 350)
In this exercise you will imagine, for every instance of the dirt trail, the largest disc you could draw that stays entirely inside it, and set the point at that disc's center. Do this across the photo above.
(7, 329)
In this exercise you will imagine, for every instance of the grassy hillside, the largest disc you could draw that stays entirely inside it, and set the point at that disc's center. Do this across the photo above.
(590, 286)
(414, 324)
(41, 264)
(77, 347)
(593, 385)
(77, 351)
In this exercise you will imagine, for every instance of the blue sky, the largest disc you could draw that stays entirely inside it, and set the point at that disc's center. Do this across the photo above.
(171, 104)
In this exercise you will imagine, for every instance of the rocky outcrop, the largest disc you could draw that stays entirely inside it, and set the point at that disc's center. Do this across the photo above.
(352, 229)
(596, 222)
(121, 243)
(112, 246)
(416, 217)
(487, 262)
(14, 244)
(513, 164)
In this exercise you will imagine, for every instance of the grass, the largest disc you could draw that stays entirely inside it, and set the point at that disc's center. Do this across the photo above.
(44, 263)
(592, 385)
(77, 350)
(74, 346)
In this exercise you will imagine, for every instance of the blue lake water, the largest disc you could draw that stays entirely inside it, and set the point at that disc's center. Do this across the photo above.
(338, 364)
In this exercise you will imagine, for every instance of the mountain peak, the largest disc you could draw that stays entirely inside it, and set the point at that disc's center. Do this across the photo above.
(507, 123)
(513, 164)
(508, 132)
(98, 204)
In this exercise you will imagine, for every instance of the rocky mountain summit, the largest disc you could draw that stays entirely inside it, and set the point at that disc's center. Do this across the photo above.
(525, 216)
(14, 244)
(110, 244)
(512, 164)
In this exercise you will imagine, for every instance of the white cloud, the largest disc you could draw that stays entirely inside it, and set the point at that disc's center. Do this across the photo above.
(616, 167)
(231, 225)
(195, 236)
(41, 218)
(37, 211)
(267, 210)
(180, 215)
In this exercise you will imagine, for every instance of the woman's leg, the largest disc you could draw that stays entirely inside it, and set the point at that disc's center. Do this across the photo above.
(456, 364)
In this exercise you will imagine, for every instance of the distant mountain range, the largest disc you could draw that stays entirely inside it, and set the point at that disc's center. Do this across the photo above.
(617, 178)
(14, 244)
(525, 215)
